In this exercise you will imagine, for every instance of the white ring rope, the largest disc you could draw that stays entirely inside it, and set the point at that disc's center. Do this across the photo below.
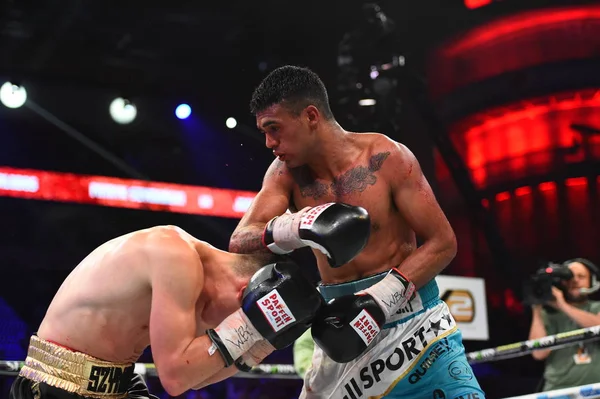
(288, 371)
(584, 391)
(526, 347)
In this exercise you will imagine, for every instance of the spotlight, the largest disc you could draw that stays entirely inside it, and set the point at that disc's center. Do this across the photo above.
(367, 102)
(12, 95)
(122, 111)
(231, 123)
(183, 111)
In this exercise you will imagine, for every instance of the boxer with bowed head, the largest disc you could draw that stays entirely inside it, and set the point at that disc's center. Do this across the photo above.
(387, 293)
(206, 313)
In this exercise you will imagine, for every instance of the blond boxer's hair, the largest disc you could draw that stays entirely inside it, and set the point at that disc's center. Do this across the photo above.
(248, 264)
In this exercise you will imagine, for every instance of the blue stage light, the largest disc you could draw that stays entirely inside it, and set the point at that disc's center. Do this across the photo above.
(183, 111)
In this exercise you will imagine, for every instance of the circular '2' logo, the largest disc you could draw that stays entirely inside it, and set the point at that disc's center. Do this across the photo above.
(459, 370)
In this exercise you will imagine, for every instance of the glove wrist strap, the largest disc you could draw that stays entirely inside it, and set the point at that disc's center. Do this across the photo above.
(254, 356)
(282, 234)
(392, 293)
(234, 336)
(240, 365)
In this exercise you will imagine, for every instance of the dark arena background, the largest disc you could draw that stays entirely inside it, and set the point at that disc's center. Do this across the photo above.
(498, 99)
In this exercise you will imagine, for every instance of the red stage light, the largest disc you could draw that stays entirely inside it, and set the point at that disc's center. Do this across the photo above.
(514, 43)
(532, 137)
(473, 4)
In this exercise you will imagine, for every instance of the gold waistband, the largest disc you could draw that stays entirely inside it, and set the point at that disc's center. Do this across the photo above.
(75, 372)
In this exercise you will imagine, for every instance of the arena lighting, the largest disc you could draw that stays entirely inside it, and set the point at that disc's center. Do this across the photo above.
(12, 95)
(520, 24)
(522, 36)
(473, 4)
(122, 111)
(545, 186)
(536, 129)
(231, 122)
(123, 193)
(367, 102)
(183, 111)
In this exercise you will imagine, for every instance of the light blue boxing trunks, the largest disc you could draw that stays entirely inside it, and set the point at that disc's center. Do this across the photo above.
(418, 355)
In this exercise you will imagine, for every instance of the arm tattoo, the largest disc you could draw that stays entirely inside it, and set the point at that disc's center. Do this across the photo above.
(278, 170)
(247, 241)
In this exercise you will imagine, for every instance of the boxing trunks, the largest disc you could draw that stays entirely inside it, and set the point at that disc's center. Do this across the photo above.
(53, 371)
(418, 355)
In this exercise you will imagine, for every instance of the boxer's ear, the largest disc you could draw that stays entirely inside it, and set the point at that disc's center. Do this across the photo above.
(241, 293)
(312, 115)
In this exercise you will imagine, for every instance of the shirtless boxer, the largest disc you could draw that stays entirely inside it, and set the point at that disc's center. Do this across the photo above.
(385, 332)
(164, 288)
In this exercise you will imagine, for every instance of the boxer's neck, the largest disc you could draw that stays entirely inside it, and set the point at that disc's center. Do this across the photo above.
(333, 154)
(223, 277)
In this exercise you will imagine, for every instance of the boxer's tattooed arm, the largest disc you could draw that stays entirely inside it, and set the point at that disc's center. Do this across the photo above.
(359, 178)
(277, 170)
(248, 240)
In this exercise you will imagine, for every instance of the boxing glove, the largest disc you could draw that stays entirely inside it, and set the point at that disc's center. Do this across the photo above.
(339, 231)
(345, 328)
(278, 305)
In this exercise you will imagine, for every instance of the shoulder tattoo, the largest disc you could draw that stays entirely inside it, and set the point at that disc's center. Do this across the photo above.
(359, 178)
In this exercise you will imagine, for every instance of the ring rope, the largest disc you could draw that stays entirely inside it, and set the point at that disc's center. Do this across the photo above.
(583, 391)
(526, 347)
(288, 371)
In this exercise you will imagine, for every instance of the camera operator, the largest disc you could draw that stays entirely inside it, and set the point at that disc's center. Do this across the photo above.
(570, 310)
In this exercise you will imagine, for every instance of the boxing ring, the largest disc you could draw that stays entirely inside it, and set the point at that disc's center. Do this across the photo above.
(517, 349)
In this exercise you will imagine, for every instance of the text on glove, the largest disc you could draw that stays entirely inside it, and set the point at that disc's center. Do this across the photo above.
(276, 311)
(366, 328)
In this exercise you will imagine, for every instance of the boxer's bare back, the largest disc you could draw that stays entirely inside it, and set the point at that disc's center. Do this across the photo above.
(103, 308)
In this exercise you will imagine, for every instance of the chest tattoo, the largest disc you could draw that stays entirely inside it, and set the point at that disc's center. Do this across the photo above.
(315, 190)
(308, 186)
(356, 179)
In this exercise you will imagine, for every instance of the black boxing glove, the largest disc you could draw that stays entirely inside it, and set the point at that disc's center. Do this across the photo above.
(345, 328)
(278, 305)
(339, 231)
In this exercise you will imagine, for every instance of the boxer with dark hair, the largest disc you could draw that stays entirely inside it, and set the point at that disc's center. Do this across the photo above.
(206, 313)
(385, 301)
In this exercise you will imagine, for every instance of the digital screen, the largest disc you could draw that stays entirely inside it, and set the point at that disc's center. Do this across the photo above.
(124, 193)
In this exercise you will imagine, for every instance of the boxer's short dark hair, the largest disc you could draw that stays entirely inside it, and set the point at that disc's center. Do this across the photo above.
(295, 88)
